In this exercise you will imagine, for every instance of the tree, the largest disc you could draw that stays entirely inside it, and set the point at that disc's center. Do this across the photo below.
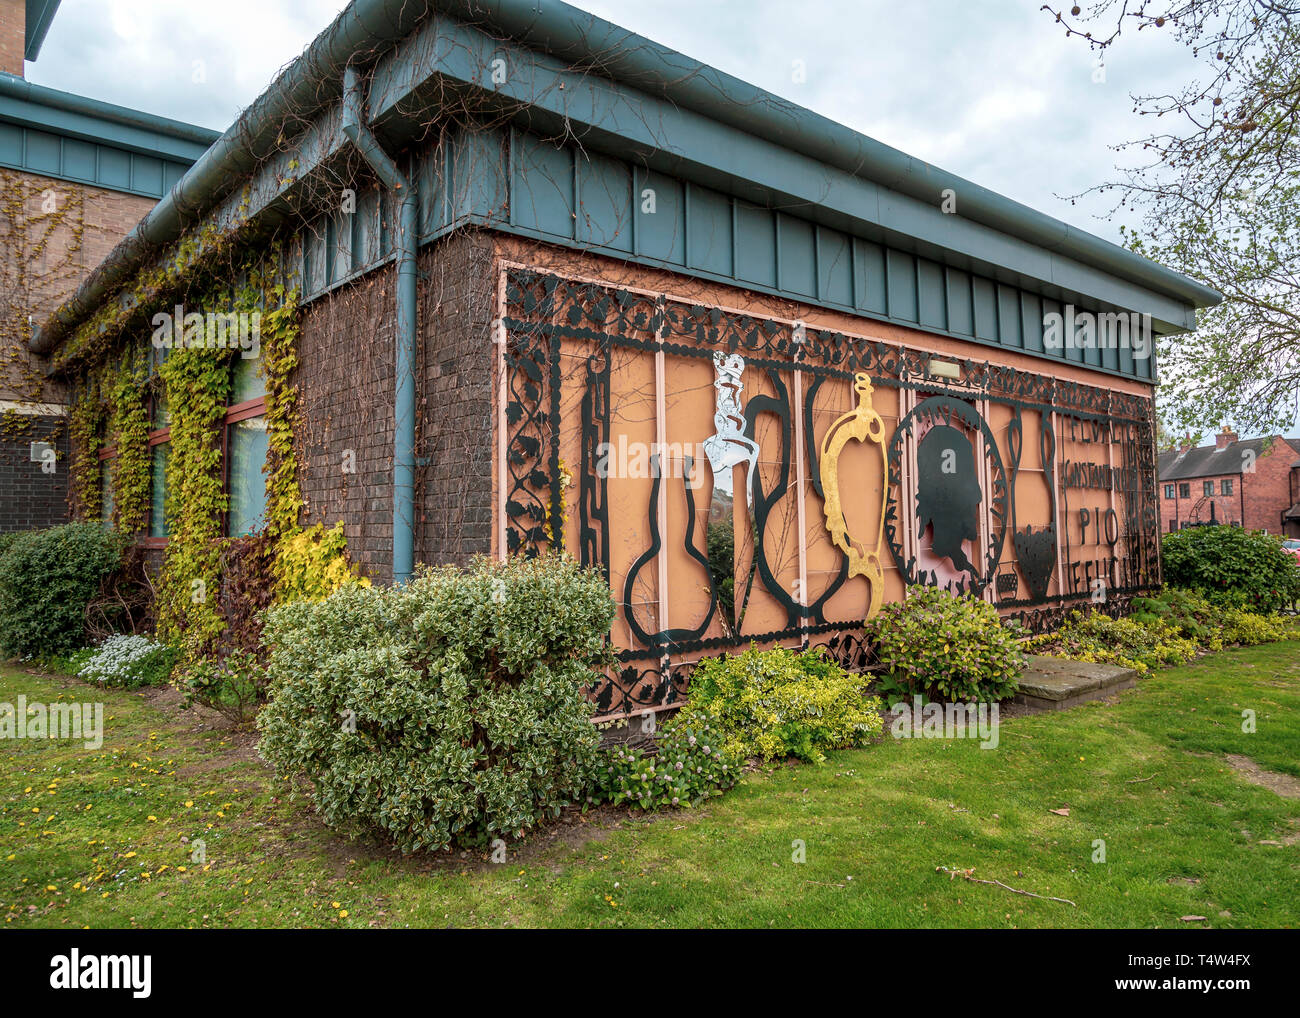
(1218, 191)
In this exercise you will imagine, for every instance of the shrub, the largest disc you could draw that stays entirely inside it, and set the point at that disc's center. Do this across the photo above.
(1124, 641)
(231, 685)
(1231, 566)
(778, 703)
(688, 766)
(447, 710)
(129, 662)
(1185, 611)
(946, 648)
(1249, 628)
(47, 578)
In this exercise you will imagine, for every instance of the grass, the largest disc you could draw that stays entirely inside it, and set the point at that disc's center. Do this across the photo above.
(105, 838)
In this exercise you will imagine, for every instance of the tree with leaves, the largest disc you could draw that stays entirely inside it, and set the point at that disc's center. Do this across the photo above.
(1217, 187)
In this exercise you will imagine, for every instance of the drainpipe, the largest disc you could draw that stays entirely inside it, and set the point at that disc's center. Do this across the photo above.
(407, 242)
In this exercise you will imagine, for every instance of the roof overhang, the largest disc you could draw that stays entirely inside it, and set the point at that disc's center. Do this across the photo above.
(672, 112)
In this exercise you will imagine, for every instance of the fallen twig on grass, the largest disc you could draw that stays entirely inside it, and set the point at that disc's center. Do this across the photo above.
(1137, 781)
(967, 875)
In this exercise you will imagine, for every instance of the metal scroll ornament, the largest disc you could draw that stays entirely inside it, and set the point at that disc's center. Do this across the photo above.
(861, 424)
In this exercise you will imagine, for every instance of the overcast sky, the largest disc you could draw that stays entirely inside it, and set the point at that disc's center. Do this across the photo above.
(987, 89)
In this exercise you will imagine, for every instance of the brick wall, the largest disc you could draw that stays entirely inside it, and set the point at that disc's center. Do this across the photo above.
(1178, 510)
(1267, 489)
(1258, 499)
(345, 406)
(13, 35)
(105, 217)
(33, 499)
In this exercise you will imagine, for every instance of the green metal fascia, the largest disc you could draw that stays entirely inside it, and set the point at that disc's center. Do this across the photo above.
(73, 116)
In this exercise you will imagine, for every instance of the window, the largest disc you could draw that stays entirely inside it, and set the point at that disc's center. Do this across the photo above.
(1208, 487)
(1173, 525)
(1184, 491)
(106, 491)
(1225, 487)
(246, 445)
(158, 456)
(160, 434)
(246, 448)
(1169, 491)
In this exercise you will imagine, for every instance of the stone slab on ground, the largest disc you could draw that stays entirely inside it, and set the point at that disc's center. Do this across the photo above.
(1054, 683)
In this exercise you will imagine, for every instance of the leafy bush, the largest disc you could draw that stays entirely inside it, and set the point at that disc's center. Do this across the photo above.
(689, 765)
(47, 578)
(1123, 641)
(1186, 611)
(1250, 628)
(231, 685)
(447, 710)
(778, 703)
(1232, 566)
(946, 648)
(129, 662)
(313, 563)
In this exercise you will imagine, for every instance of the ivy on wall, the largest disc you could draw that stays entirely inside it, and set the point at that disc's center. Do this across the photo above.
(129, 428)
(86, 419)
(279, 339)
(197, 386)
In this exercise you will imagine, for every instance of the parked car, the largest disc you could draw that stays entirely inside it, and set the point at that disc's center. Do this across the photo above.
(1292, 545)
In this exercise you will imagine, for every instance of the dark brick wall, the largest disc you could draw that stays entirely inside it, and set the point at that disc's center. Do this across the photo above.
(30, 499)
(453, 490)
(345, 409)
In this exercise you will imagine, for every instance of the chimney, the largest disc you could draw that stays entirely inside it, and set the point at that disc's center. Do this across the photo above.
(1184, 445)
(1225, 438)
(13, 35)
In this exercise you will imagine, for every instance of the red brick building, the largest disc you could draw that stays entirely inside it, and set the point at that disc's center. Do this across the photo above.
(76, 175)
(1253, 484)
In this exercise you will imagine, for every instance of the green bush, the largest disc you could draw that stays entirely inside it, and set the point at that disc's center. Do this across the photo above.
(688, 766)
(447, 710)
(1095, 637)
(946, 648)
(779, 703)
(1232, 566)
(47, 577)
(1186, 611)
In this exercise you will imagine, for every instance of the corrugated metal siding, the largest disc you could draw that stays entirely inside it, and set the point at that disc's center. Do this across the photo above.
(83, 162)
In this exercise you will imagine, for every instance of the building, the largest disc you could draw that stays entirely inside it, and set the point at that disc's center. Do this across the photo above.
(75, 176)
(540, 284)
(1251, 484)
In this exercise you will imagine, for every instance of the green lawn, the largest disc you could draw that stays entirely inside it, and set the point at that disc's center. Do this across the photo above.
(94, 838)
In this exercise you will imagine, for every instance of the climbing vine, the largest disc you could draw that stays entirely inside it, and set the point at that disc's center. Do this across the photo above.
(86, 419)
(197, 386)
(129, 428)
(280, 332)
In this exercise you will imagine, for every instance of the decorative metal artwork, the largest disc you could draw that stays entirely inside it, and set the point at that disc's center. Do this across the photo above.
(948, 493)
(1035, 551)
(729, 446)
(861, 424)
(561, 330)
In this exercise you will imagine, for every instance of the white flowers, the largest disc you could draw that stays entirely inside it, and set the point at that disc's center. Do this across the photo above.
(122, 660)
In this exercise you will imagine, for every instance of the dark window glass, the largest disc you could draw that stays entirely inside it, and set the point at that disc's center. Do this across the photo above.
(247, 450)
(158, 496)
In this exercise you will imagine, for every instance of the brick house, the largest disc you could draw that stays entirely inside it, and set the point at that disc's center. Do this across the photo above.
(76, 176)
(1251, 484)
(559, 288)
